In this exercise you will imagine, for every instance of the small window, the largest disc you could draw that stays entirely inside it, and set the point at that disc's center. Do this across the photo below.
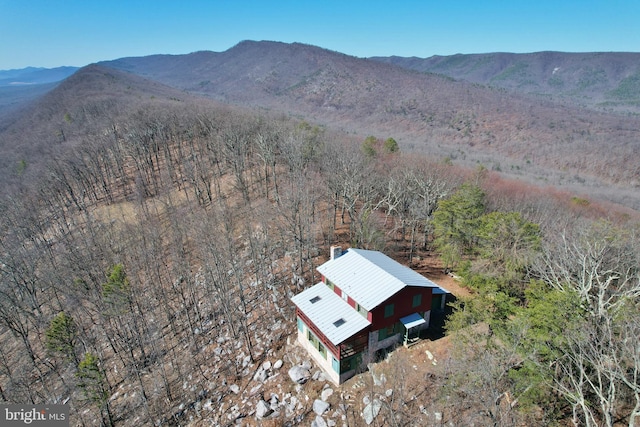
(315, 299)
(322, 349)
(417, 300)
(339, 322)
(360, 309)
(388, 310)
(385, 332)
(335, 364)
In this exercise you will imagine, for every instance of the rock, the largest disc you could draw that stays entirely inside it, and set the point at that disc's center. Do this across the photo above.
(319, 422)
(246, 361)
(274, 401)
(370, 412)
(326, 393)
(263, 409)
(306, 364)
(429, 354)
(266, 365)
(290, 408)
(379, 380)
(235, 389)
(278, 364)
(389, 392)
(255, 390)
(320, 406)
(261, 375)
(299, 374)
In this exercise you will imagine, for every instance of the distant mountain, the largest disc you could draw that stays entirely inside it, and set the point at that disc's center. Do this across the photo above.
(464, 122)
(604, 80)
(424, 111)
(18, 87)
(34, 76)
(79, 110)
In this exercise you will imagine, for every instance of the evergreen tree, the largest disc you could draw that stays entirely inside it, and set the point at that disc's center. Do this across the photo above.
(61, 335)
(456, 223)
(93, 382)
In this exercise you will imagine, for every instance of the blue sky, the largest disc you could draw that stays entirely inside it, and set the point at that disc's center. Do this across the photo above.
(50, 33)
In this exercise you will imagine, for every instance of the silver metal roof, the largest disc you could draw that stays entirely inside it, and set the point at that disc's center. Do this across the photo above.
(412, 320)
(370, 277)
(337, 320)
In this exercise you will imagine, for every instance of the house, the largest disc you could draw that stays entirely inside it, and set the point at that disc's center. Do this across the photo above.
(365, 303)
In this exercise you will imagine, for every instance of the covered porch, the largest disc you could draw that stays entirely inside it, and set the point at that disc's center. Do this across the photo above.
(413, 324)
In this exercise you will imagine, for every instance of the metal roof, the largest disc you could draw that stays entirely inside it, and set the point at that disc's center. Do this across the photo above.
(335, 318)
(370, 277)
(412, 320)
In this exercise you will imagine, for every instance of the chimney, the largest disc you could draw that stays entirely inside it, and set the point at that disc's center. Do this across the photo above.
(336, 251)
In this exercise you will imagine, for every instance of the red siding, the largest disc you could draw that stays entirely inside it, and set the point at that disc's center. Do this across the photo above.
(337, 290)
(402, 302)
(351, 302)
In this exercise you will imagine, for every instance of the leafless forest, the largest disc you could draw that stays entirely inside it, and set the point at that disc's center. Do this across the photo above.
(150, 241)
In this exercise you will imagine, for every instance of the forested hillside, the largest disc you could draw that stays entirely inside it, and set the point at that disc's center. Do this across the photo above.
(606, 81)
(147, 276)
(528, 137)
(151, 240)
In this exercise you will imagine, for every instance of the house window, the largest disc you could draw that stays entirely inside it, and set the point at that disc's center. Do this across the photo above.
(312, 339)
(315, 342)
(350, 363)
(388, 310)
(436, 303)
(335, 363)
(339, 322)
(322, 349)
(344, 296)
(315, 299)
(300, 327)
(417, 300)
(330, 284)
(389, 331)
(360, 309)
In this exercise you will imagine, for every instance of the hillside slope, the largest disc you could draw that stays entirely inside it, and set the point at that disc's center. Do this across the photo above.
(603, 80)
(78, 110)
(425, 112)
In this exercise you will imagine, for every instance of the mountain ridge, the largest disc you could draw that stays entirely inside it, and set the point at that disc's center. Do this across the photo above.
(599, 80)
(426, 111)
(462, 121)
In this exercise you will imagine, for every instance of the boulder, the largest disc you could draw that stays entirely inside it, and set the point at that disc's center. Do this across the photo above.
(370, 412)
(299, 374)
(263, 409)
(278, 364)
(260, 375)
(319, 422)
(326, 393)
(320, 406)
